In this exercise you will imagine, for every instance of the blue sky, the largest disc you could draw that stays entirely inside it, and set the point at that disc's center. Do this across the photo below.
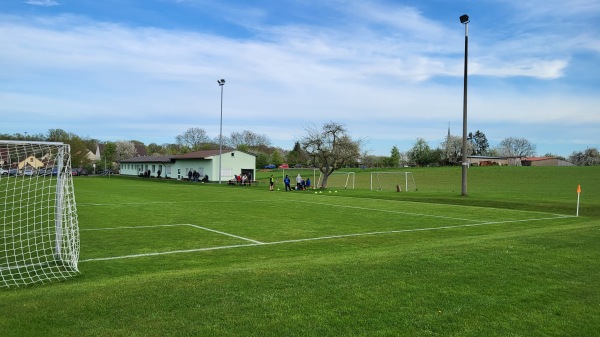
(390, 71)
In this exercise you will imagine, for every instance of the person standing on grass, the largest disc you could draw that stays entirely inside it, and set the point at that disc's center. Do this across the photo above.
(286, 181)
(298, 182)
(271, 182)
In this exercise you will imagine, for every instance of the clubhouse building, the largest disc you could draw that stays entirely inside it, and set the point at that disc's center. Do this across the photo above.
(205, 163)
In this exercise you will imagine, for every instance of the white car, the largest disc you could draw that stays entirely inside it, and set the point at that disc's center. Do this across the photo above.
(3, 171)
(28, 171)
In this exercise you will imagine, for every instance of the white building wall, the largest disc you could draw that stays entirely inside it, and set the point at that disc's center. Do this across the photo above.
(232, 164)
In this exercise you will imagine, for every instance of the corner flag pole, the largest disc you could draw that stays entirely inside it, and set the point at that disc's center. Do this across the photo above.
(578, 193)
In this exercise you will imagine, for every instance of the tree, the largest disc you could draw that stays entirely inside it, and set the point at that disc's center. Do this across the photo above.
(276, 158)
(193, 138)
(589, 157)
(395, 157)
(79, 152)
(368, 160)
(154, 149)
(108, 155)
(262, 159)
(124, 150)
(58, 135)
(79, 149)
(452, 152)
(479, 143)
(329, 148)
(516, 147)
(297, 155)
(248, 140)
(421, 154)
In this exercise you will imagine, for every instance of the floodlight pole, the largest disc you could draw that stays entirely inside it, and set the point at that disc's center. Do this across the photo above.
(221, 84)
(464, 19)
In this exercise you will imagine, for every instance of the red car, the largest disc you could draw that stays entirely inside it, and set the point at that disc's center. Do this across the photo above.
(284, 166)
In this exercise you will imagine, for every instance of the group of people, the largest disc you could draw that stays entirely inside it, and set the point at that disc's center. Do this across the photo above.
(195, 176)
(242, 179)
(301, 184)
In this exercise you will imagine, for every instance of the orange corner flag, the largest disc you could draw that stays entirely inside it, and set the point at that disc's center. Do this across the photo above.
(578, 189)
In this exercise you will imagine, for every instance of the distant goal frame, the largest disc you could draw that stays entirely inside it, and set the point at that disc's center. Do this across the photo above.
(409, 181)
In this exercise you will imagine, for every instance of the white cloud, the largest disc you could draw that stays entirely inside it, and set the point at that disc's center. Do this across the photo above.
(391, 86)
(44, 3)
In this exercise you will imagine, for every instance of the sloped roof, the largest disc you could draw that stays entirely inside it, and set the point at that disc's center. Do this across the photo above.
(167, 159)
(539, 158)
(148, 159)
(200, 154)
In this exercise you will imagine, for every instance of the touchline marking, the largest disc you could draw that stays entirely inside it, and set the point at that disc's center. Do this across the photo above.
(257, 243)
(385, 211)
(442, 205)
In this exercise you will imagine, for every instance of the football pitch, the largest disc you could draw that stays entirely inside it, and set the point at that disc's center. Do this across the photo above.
(218, 219)
(166, 258)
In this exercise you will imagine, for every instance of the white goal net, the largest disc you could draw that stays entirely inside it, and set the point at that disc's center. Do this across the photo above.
(341, 180)
(400, 181)
(40, 234)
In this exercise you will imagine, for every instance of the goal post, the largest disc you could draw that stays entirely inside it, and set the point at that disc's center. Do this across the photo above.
(38, 214)
(345, 180)
(401, 181)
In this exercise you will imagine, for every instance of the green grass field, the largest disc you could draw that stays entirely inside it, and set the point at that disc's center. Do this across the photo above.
(168, 258)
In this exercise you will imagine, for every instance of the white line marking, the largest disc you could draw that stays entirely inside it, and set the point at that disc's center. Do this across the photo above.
(223, 233)
(321, 238)
(173, 225)
(463, 206)
(386, 211)
(130, 227)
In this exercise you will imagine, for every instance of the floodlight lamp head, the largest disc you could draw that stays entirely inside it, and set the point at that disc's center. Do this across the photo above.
(221, 82)
(464, 19)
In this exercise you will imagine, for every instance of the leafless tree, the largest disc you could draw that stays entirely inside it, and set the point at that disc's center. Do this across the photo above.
(330, 148)
(193, 138)
(247, 140)
(516, 147)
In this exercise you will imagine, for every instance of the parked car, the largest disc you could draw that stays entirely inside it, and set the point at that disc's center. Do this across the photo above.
(28, 171)
(3, 171)
(44, 171)
(78, 171)
(13, 172)
(270, 166)
(284, 166)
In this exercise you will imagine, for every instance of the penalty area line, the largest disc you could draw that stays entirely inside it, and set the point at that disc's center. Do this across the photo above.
(171, 225)
(227, 234)
(257, 243)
